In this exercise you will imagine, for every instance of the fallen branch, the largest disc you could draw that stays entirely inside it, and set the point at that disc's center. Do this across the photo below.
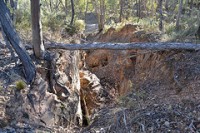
(125, 46)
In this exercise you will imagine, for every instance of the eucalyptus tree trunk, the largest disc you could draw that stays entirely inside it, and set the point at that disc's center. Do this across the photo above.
(100, 11)
(50, 5)
(66, 5)
(86, 6)
(179, 15)
(102, 15)
(16, 43)
(121, 10)
(191, 6)
(73, 13)
(127, 9)
(161, 15)
(37, 40)
(138, 8)
(152, 10)
(13, 5)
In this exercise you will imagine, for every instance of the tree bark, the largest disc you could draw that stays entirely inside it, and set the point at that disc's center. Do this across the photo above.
(13, 5)
(161, 15)
(66, 9)
(138, 8)
(121, 11)
(72, 6)
(125, 46)
(191, 6)
(102, 15)
(37, 39)
(86, 9)
(179, 15)
(9, 46)
(16, 43)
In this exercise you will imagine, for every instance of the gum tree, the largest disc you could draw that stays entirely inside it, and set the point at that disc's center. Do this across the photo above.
(37, 40)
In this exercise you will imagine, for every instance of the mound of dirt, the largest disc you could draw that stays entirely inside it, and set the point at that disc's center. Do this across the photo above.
(128, 33)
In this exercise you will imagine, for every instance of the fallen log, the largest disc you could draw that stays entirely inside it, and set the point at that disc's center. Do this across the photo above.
(125, 46)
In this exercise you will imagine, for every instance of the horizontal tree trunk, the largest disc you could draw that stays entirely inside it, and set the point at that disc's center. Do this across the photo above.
(125, 46)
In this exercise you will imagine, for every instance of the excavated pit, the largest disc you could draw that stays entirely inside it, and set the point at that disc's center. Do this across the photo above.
(144, 80)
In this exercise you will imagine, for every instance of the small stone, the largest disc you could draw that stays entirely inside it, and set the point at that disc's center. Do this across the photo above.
(167, 124)
(156, 105)
(148, 113)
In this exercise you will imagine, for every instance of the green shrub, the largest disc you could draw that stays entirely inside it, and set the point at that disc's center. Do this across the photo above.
(79, 25)
(53, 20)
(70, 29)
(23, 20)
(149, 24)
(170, 28)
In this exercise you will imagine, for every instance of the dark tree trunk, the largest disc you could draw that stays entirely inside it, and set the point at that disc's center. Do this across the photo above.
(6, 1)
(12, 3)
(102, 15)
(13, 6)
(50, 5)
(16, 43)
(167, 5)
(9, 46)
(121, 11)
(138, 8)
(161, 15)
(191, 6)
(73, 13)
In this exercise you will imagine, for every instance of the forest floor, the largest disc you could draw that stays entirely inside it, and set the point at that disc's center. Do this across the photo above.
(163, 93)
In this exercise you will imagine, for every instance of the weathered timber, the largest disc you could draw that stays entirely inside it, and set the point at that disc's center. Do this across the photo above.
(16, 43)
(37, 38)
(125, 46)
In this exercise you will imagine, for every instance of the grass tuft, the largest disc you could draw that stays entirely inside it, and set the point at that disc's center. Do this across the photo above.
(20, 85)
